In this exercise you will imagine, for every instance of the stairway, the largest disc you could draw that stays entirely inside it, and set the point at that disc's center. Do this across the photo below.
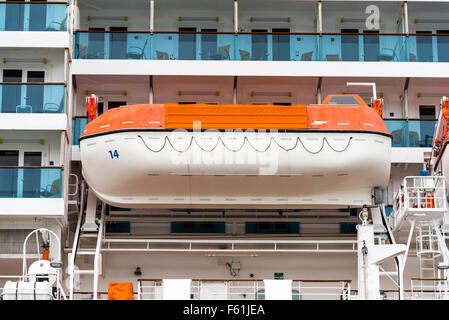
(430, 248)
(88, 239)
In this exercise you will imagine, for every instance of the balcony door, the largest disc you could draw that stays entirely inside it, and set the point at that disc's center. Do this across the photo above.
(34, 95)
(31, 178)
(443, 46)
(281, 45)
(426, 127)
(8, 176)
(110, 104)
(118, 43)
(259, 44)
(209, 45)
(20, 182)
(11, 93)
(187, 44)
(96, 44)
(14, 15)
(350, 45)
(22, 98)
(424, 46)
(371, 46)
(38, 16)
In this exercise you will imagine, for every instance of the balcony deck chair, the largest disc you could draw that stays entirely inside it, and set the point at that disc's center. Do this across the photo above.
(222, 53)
(52, 107)
(161, 55)
(386, 54)
(81, 52)
(244, 55)
(307, 56)
(137, 53)
(22, 108)
(59, 26)
(52, 190)
(412, 57)
(397, 137)
(413, 139)
(332, 57)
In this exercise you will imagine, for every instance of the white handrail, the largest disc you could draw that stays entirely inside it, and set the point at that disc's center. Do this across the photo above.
(75, 243)
(97, 249)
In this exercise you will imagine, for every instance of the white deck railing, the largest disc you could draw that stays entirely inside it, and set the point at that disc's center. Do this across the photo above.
(218, 289)
(421, 196)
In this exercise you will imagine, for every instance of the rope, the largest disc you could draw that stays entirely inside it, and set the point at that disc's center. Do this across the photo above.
(245, 139)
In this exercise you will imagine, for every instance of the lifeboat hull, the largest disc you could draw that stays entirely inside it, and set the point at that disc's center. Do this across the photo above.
(219, 169)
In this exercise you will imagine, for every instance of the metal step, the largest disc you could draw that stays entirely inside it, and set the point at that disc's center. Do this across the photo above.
(83, 271)
(86, 253)
(89, 235)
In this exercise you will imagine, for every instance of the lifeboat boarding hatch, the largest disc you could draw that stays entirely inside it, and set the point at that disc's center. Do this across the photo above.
(421, 203)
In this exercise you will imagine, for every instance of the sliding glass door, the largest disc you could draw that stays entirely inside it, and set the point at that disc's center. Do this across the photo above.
(187, 44)
(350, 45)
(8, 176)
(11, 93)
(259, 44)
(281, 45)
(424, 46)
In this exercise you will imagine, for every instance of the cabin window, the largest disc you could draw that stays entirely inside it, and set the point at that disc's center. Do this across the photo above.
(344, 100)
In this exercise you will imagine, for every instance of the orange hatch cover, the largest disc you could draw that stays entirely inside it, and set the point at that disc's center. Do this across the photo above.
(235, 116)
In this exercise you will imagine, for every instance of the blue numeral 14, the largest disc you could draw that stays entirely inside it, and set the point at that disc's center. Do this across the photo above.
(113, 155)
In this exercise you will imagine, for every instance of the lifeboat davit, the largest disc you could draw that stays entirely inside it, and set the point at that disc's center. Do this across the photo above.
(440, 150)
(331, 155)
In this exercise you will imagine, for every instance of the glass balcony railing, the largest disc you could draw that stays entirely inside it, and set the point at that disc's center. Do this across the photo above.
(363, 47)
(31, 97)
(261, 46)
(79, 124)
(411, 133)
(30, 182)
(33, 16)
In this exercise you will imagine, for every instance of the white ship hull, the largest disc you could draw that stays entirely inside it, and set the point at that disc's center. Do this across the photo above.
(160, 169)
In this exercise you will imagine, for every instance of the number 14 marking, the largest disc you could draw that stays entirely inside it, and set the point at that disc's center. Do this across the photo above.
(113, 155)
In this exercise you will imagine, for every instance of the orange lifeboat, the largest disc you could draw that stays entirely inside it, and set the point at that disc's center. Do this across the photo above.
(330, 155)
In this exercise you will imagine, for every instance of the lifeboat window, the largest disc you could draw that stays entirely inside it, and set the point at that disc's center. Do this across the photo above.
(344, 100)
(282, 103)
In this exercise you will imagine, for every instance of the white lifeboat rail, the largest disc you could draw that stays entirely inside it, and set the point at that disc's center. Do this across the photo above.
(420, 197)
